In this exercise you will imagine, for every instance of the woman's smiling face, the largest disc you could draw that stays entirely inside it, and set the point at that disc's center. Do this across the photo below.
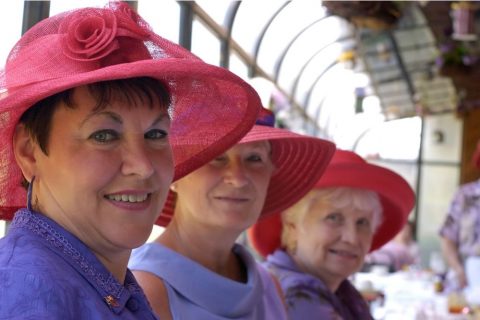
(229, 192)
(107, 172)
(332, 241)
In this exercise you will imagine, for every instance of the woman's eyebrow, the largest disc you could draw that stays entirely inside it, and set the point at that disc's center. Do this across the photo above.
(161, 118)
(117, 118)
(112, 115)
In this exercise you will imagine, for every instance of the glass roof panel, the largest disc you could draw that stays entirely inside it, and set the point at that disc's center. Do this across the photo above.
(309, 43)
(205, 44)
(286, 27)
(387, 140)
(215, 9)
(336, 77)
(320, 63)
(11, 17)
(251, 19)
(238, 67)
(163, 16)
(58, 6)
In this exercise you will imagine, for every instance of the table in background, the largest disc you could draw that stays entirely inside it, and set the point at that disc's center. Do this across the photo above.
(408, 295)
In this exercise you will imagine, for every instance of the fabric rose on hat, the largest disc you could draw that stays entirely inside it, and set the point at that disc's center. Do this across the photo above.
(94, 35)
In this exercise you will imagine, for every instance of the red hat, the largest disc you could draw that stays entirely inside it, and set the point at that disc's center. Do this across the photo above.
(347, 169)
(299, 162)
(212, 107)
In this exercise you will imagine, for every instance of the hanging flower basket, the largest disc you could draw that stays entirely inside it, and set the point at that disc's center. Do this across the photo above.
(378, 15)
(456, 57)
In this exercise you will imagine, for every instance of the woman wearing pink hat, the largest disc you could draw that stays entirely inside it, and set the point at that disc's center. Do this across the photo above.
(85, 104)
(195, 270)
(314, 246)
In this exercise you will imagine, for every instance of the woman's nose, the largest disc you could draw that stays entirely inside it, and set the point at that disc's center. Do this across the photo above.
(350, 234)
(137, 160)
(235, 175)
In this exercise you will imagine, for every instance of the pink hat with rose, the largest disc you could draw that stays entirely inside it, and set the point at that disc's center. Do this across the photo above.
(211, 107)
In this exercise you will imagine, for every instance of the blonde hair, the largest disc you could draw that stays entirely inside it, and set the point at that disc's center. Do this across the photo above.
(339, 198)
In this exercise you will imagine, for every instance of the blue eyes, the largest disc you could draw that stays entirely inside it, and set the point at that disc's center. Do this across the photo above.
(334, 217)
(106, 136)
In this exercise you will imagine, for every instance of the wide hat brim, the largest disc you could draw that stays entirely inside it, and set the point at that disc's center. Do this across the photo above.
(299, 162)
(201, 129)
(396, 196)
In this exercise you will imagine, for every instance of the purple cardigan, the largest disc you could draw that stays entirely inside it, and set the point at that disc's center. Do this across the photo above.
(307, 297)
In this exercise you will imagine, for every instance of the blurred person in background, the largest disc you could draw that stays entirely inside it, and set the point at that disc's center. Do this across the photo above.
(400, 253)
(460, 232)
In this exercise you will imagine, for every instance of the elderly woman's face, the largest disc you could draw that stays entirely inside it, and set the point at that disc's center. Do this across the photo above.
(229, 191)
(107, 172)
(331, 243)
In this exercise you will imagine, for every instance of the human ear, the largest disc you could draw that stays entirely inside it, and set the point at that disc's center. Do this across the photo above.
(24, 151)
(291, 239)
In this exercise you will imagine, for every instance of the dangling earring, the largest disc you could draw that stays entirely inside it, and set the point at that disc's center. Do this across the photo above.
(29, 194)
(173, 187)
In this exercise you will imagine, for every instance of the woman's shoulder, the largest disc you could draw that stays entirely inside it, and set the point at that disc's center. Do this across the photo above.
(303, 301)
(291, 279)
(38, 293)
(23, 252)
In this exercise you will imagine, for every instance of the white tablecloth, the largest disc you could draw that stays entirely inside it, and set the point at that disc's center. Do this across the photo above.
(409, 295)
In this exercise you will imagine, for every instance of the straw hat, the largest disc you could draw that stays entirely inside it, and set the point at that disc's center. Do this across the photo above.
(299, 161)
(347, 169)
(212, 107)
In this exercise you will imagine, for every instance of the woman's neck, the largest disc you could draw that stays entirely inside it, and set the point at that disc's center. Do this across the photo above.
(115, 263)
(211, 249)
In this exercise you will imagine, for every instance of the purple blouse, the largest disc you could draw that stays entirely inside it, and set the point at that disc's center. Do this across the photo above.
(462, 224)
(47, 273)
(307, 297)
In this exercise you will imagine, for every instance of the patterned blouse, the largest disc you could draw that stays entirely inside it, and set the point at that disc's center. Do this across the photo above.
(462, 224)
